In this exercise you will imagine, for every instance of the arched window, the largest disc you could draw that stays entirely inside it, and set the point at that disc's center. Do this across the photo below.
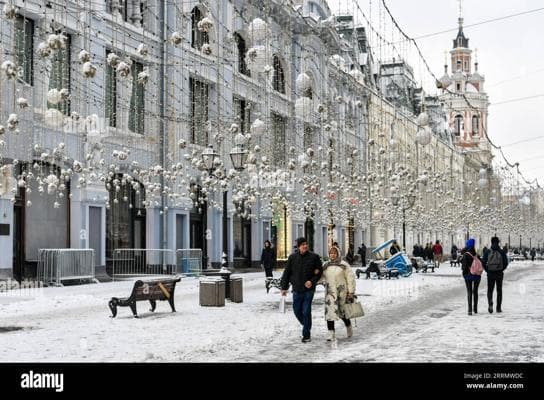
(475, 124)
(242, 49)
(198, 38)
(458, 125)
(278, 80)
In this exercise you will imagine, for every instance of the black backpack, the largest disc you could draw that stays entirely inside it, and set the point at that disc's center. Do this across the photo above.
(494, 261)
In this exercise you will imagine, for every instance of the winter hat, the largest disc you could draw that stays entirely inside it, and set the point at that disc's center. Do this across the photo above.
(495, 239)
(337, 251)
(470, 243)
(301, 241)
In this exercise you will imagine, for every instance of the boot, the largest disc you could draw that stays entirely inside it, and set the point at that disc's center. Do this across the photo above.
(490, 308)
(331, 336)
(349, 331)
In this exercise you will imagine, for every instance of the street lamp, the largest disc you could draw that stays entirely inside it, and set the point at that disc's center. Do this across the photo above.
(411, 198)
(238, 158)
(209, 157)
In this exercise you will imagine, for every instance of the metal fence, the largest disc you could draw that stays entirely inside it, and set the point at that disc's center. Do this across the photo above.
(57, 265)
(189, 262)
(138, 262)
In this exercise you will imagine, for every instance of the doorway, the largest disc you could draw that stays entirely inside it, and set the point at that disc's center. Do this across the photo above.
(95, 233)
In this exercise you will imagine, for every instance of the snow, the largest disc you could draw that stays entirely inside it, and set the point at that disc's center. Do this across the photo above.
(419, 318)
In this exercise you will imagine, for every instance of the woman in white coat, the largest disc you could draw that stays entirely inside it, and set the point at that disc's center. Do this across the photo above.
(340, 286)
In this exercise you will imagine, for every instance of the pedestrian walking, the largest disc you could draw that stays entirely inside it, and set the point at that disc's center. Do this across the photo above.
(362, 253)
(495, 262)
(268, 258)
(453, 252)
(533, 254)
(303, 271)
(438, 251)
(339, 281)
(472, 271)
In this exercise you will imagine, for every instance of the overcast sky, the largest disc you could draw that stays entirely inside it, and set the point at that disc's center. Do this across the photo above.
(507, 49)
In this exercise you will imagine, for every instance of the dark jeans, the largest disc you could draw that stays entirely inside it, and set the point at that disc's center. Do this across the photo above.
(330, 324)
(302, 306)
(268, 272)
(492, 278)
(472, 293)
(372, 268)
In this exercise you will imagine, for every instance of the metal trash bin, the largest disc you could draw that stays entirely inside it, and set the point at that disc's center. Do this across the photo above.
(236, 290)
(212, 292)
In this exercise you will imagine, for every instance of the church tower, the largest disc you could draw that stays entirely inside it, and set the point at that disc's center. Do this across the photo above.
(465, 99)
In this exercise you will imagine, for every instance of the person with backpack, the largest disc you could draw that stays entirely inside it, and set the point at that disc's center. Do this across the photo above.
(495, 262)
(472, 273)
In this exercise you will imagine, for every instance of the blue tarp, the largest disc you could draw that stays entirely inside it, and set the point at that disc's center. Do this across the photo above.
(383, 246)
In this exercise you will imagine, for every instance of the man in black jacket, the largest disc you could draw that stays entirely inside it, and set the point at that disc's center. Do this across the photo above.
(362, 253)
(303, 271)
(268, 258)
(495, 262)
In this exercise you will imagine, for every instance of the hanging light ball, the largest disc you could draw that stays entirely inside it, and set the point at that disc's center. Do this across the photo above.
(424, 136)
(303, 84)
(53, 96)
(257, 58)
(257, 30)
(258, 128)
(423, 119)
(54, 118)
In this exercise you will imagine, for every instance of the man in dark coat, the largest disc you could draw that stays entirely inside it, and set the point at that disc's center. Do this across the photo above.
(303, 271)
(362, 253)
(268, 259)
(395, 248)
(495, 262)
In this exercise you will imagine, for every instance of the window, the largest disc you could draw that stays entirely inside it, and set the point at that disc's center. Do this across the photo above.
(198, 38)
(241, 114)
(137, 101)
(111, 95)
(475, 124)
(309, 137)
(458, 86)
(59, 77)
(466, 65)
(458, 125)
(458, 65)
(278, 80)
(242, 49)
(129, 10)
(199, 112)
(24, 48)
(279, 125)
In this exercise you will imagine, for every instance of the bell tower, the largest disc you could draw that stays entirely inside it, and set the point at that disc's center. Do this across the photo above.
(464, 97)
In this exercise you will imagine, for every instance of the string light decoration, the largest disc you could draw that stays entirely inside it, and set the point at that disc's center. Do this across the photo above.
(112, 105)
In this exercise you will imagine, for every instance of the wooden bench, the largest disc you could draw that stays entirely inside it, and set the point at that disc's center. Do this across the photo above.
(152, 290)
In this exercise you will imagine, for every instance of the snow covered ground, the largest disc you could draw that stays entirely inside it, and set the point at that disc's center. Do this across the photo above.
(417, 319)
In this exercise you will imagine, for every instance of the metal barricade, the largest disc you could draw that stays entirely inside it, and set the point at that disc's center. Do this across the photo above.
(142, 262)
(189, 262)
(57, 265)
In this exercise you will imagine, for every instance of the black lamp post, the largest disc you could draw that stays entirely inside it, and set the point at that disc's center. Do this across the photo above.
(411, 201)
(208, 157)
(238, 157)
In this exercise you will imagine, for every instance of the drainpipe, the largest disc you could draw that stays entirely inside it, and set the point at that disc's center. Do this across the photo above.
(163, 234)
